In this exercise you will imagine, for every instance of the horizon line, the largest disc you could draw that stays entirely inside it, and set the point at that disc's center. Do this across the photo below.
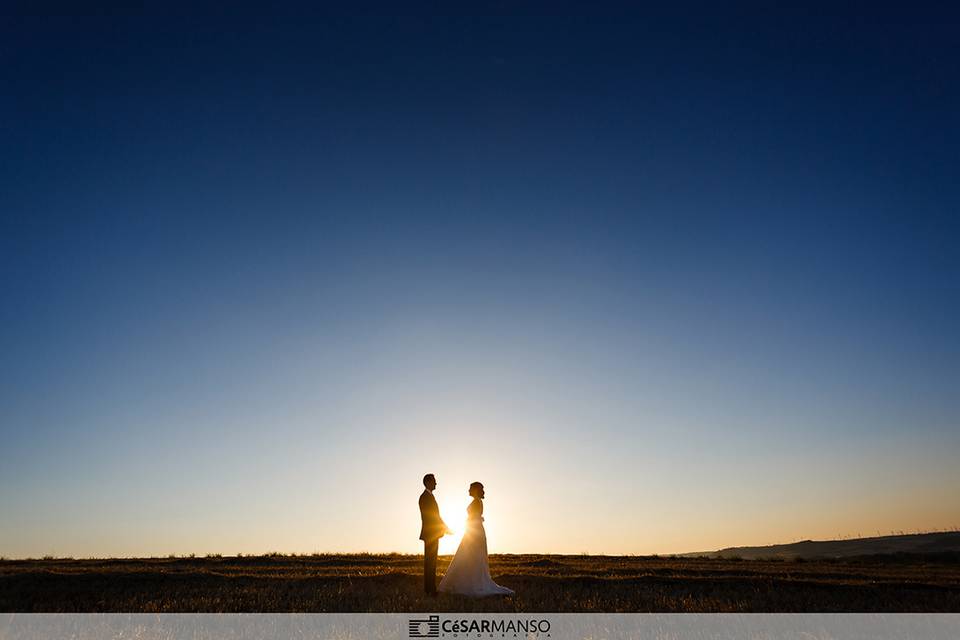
(296, 554)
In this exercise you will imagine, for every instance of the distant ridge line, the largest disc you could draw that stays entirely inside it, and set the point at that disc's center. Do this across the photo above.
(939, 542)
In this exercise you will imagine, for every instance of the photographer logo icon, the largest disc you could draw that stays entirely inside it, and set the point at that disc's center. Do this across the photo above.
(425, 628)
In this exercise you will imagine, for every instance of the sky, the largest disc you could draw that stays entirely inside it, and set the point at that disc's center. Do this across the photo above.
(662, 281)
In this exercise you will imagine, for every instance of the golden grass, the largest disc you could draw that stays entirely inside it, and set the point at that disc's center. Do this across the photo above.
(392, 583)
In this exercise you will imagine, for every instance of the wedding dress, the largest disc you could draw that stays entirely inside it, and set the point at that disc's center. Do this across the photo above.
(469, 571)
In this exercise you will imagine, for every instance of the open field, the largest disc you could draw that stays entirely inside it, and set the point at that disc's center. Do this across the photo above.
(392, 583)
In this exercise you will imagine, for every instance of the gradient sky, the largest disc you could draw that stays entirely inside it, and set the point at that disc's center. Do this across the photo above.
(663, 282)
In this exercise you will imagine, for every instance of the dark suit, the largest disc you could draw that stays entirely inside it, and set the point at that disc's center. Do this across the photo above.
(432, 529)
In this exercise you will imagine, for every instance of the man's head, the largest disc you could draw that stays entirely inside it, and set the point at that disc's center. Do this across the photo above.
(430, 482)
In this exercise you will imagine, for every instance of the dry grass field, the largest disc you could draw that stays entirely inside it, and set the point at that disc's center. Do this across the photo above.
(391, 583)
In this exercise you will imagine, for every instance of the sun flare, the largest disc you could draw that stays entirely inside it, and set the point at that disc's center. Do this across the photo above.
(453, 510)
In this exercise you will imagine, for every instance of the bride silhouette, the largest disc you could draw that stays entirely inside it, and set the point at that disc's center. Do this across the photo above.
(469, 571)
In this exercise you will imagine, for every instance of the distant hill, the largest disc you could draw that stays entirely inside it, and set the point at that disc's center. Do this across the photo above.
(914, 543)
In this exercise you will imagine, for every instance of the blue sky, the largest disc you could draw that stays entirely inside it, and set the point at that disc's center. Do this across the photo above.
(692, 278)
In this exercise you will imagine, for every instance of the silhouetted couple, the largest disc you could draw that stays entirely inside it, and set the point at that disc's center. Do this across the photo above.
(469, 571)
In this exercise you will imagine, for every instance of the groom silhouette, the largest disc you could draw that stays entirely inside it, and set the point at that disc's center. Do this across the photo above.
(432, 528)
